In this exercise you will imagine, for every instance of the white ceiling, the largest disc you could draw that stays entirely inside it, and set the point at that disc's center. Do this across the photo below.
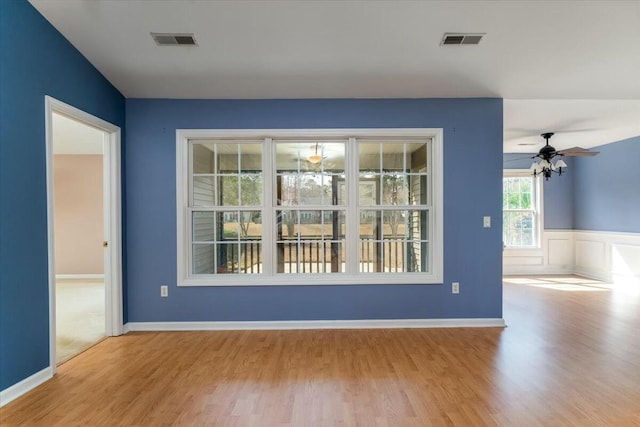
(533, 50)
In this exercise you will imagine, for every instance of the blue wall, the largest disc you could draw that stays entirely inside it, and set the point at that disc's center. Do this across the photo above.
(472, 254)
(557, 191)
(35, 60)
(607, 188)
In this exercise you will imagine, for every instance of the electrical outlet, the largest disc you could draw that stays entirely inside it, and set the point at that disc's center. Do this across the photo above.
(164, 291)
(455, 288)
(486, 222)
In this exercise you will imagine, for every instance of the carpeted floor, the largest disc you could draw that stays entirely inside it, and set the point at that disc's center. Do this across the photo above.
(80, 316)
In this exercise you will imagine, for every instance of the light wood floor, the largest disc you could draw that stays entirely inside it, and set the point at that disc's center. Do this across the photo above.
(570, 356)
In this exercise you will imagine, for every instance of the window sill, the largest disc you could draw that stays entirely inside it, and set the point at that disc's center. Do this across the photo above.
(312, 280)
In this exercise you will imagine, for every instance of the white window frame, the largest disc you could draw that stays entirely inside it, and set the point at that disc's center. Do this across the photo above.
(268, 277)
(538, 199)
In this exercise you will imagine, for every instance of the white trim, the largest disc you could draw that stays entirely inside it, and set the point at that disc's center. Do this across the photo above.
(436, 237)
(79, 276)
(9, 394)
(318, 324)
(614, 234)
(113, 226)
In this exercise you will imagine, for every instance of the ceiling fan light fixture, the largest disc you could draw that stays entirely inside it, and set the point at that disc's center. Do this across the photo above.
(314, 158)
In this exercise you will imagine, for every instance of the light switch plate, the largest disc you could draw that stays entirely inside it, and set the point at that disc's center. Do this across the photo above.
(486, 222)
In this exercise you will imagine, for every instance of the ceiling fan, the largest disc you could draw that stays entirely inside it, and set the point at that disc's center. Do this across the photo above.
(546, 167)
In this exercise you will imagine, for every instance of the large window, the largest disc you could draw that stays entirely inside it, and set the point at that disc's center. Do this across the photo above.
(309, 207)
(521, 216)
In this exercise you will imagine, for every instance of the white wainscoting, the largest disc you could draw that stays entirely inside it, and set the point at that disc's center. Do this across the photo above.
(607, 256)
(555, 255)
(612, 257)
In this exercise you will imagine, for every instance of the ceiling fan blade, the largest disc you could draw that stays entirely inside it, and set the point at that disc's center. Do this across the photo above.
(578, 152)
(519, 158)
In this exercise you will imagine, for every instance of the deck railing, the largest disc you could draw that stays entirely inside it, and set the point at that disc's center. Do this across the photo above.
(320, 256)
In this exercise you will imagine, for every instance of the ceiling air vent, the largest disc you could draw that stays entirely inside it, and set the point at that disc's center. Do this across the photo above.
(458, 39)
(171, 39)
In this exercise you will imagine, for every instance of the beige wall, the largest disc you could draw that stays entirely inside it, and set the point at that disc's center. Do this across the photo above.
(78, 214)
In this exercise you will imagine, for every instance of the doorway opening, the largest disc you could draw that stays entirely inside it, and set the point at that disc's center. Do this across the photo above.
(83, 185)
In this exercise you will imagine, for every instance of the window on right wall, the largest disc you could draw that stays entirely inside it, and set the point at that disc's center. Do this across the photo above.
(521, 210)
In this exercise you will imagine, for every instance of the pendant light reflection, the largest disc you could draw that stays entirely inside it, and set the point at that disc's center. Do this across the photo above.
(315, 157)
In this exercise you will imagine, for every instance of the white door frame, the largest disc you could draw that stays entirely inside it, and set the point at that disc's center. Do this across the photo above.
(112, 218)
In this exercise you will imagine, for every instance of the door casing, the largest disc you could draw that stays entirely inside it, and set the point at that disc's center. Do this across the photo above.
(112, 218)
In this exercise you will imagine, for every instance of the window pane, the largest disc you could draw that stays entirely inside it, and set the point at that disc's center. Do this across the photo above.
(228, 190)
(367, 191)
(394, 189)
(418, 187)
(370, 224)
(250, 225)
(310, 256)
(298, 189)
(203, 191)
(288, 189)
(203, 158)
(518, 229)
(394, 224)
(227, 156)
(227, 225)
(418, 256)
(418, 225)
(203, 259)
(398, 171)
(369, 157)
(311, 191)
(250, 190)
(333, 225)
(203, 224)
(238, 257)
(310, 156)
(227, 258)
(309, 241)
(393, 241)
(393, 157)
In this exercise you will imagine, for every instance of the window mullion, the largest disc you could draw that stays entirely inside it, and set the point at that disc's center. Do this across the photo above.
(268, 209)
(352, 215)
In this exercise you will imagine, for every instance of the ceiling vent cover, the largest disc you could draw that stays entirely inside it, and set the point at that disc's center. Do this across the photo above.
(174, 39)
(459, 39)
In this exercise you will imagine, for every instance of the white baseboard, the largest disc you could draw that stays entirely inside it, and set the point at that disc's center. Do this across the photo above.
(530, 271)
(316, 324)
(11, 393)
(80, 276)
(126, 329)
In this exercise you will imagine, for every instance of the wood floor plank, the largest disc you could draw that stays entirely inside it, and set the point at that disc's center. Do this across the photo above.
(570, 356)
